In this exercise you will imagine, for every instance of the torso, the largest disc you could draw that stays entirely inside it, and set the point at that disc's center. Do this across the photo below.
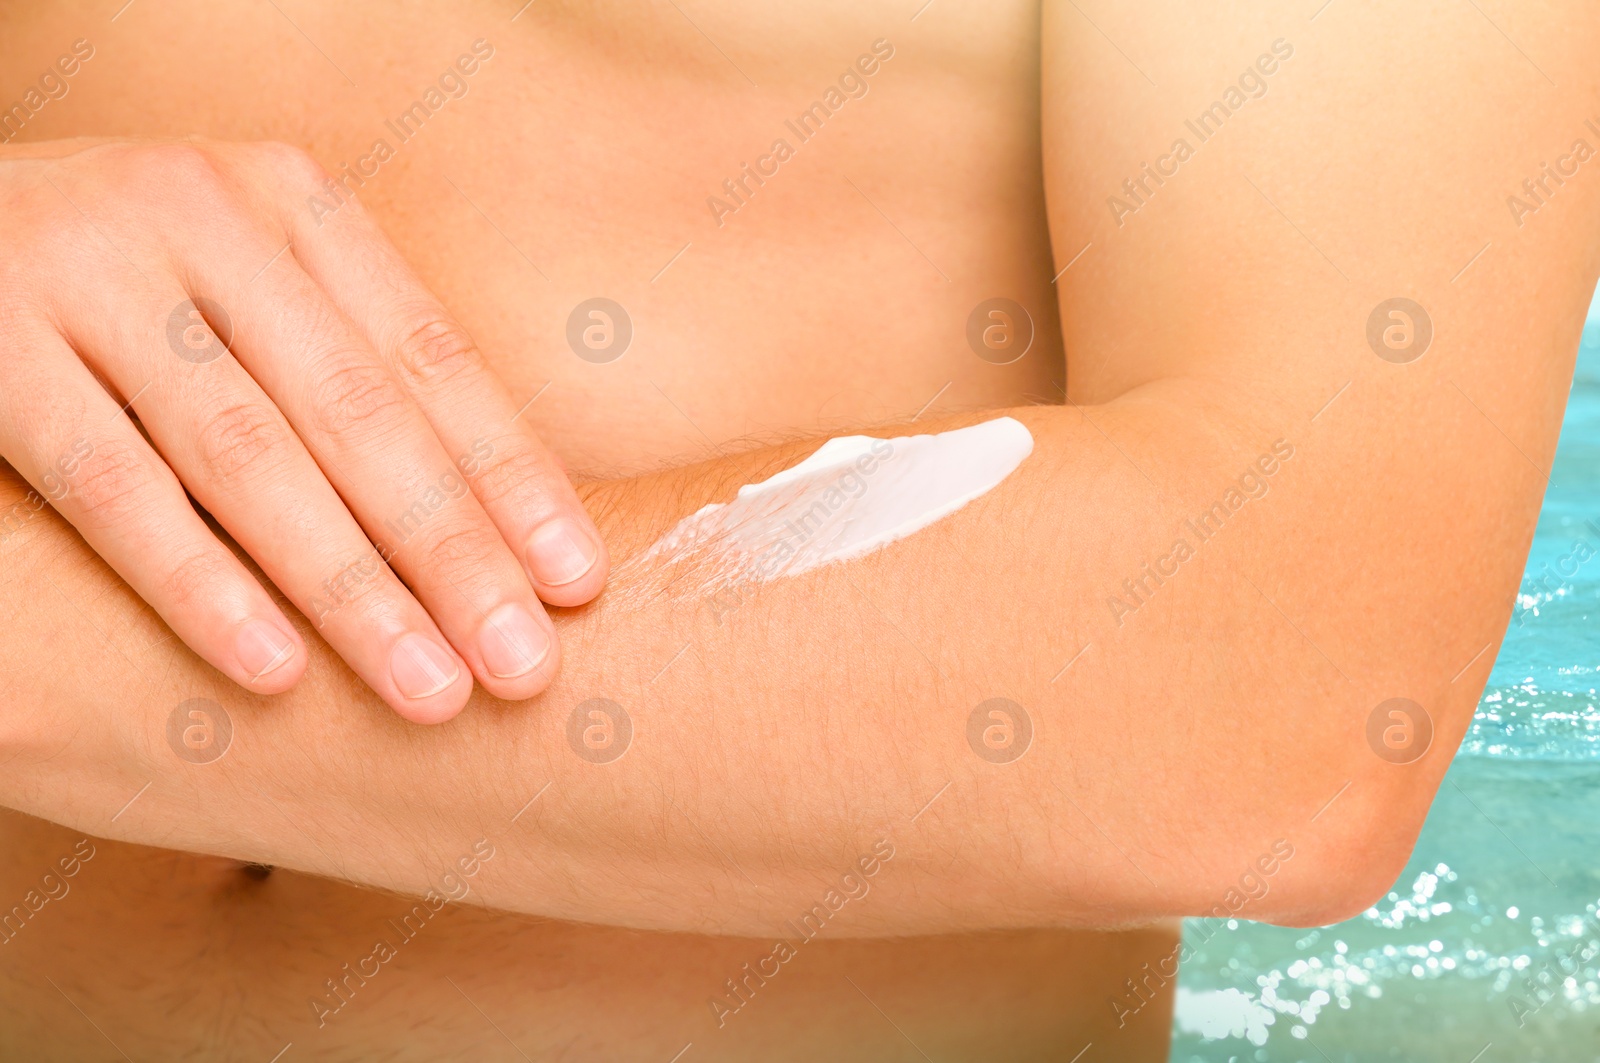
(578, 165)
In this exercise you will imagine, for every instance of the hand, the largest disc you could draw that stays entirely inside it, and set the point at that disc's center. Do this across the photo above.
(294, 376)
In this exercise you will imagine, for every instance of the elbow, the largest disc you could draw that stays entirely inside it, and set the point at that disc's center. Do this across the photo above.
(1349, 813)
(1335, 888)
(1342, 868)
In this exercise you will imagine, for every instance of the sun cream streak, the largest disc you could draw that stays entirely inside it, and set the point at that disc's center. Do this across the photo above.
(855, 495)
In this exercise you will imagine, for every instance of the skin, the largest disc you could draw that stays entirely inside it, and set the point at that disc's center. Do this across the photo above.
(334, 356)
(1228, 711)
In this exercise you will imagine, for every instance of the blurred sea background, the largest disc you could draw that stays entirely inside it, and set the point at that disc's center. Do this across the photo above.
(1487, 949)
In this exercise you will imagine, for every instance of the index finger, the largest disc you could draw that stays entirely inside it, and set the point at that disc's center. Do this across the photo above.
(520, 483)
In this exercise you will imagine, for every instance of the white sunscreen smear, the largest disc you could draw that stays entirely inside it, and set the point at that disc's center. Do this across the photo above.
(856, 494)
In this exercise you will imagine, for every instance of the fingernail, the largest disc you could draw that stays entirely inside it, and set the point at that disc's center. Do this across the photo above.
(262, 647)
(512, 641)
(421, 667)
(558, 552)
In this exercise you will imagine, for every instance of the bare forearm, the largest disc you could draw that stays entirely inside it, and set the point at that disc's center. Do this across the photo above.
(782, 734)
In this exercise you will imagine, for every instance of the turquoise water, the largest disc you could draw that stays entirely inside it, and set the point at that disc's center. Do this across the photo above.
(1488, 947)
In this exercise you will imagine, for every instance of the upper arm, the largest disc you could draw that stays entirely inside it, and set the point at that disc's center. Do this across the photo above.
(1240, 190)
(1252, 181)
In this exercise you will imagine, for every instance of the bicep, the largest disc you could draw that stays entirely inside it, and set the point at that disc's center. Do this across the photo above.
(1251, 182)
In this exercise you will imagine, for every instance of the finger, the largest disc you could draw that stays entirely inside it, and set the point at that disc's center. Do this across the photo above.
(83, 454)
(381, 455)
(519, 481)
(239, 457)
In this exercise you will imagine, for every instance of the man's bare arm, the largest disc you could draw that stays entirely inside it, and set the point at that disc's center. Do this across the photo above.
(1188, 727)
(778, 736)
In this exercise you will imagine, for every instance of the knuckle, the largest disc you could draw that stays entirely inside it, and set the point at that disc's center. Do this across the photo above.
(17, 308)
(232, 441)
(467, 546)
(436, 350)
(356, 395)
(167, 183)
(363, 589)
(113, 485)
(195, 577)
(179, 162)
(514, 472)
(291, 161)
